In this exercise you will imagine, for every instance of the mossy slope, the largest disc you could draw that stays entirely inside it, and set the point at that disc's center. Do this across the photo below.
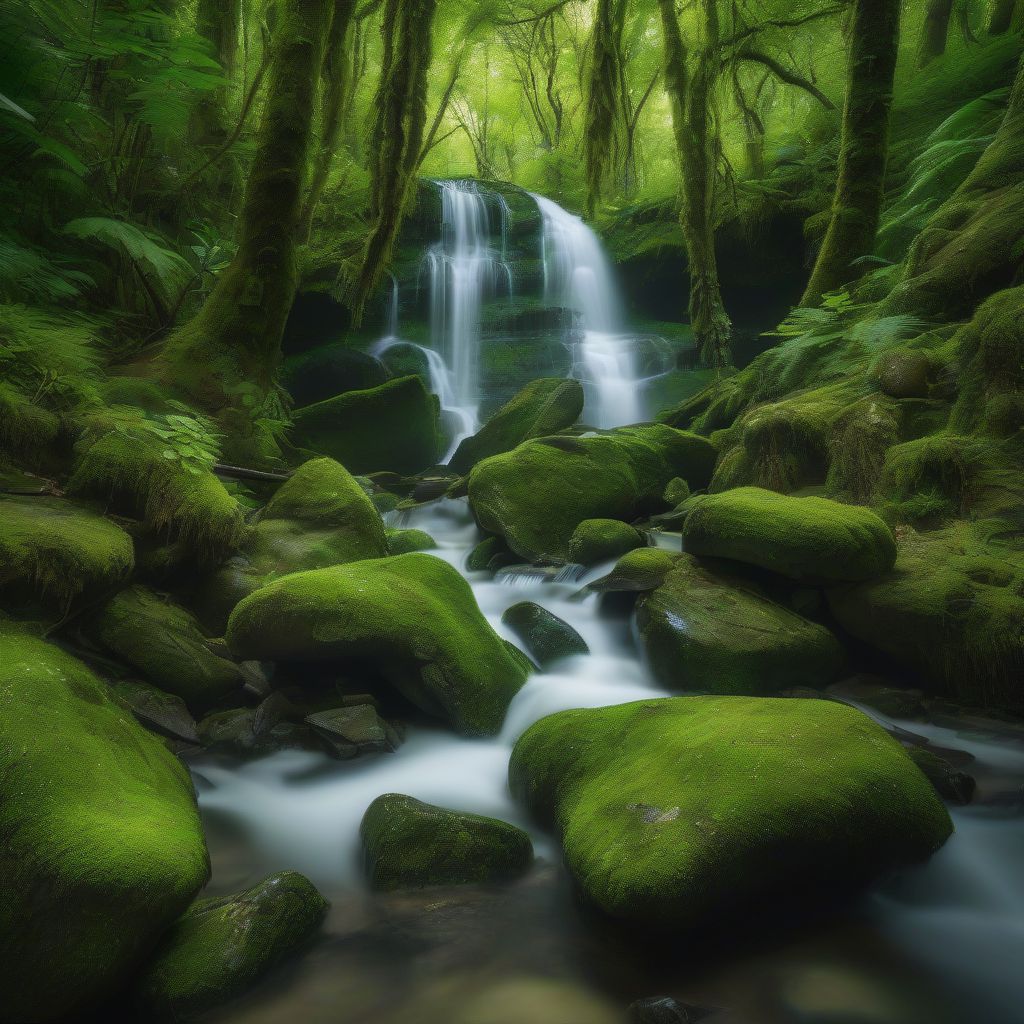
(675, 812)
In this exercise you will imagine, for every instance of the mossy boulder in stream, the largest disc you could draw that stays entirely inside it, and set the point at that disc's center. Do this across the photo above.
(165, 643)
(393, 426)
(802, 538)
(537, 494)
(705, 629)
(52, 550)
(401, 542)
(547, 637)
(681, 812)
(544, 406)
(222, 946)
(600, 540)
(951, 609)
(102, 844)
(408, 843)
(412, 618)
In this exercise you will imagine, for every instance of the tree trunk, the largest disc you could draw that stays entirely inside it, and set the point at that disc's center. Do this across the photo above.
(236, 336)
(863, 147)
(219, 22)
(1000, 16)
(934, 31)
(691, 95)
(335, 74)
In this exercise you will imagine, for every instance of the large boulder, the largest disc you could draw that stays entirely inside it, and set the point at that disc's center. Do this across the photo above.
(393, 426)
(165, 643)
(705, 629)
(677, 813)
(222, 946)
(331, 370)
(537, 494)
(408, 843)
(803, 538)
(951, 609)
(543, 407)
(412, 618)
(102, 844)
(52, 550)
(547, 637)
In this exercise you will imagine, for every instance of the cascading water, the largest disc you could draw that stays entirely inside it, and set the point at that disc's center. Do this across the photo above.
(577, 275)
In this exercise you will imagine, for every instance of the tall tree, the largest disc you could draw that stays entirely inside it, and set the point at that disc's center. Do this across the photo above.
(1001, 16)
(863, 146)
(236, 335)
(934, 31)
(689, 80)
(600, 139)
(219, 22)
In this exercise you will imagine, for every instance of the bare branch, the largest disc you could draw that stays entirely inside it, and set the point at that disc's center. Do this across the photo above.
(751, 30)
(784, 74)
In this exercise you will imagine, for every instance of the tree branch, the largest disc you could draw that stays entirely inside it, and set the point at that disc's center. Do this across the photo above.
(540, 16)
(784, 74)
(751, 30)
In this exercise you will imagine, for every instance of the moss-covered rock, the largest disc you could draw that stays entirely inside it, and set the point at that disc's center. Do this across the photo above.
(331, 370)
(903, 373)
(677, 490)
(599, 540)
(407, 843)
(952, 609)
(705, 629)
(401, 542)
(637, 571)
(220, 947)
(394, 426)
(675, 813)
(27, 430)
(411, 617)
(537, 494)
(161, 712)
(803, 538)
(486, 555)
(102, 847)
(52, 550)
(165, 643)
(543, 407)
(547, 637)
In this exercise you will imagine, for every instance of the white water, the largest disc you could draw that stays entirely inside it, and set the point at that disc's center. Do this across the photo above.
(578, 276)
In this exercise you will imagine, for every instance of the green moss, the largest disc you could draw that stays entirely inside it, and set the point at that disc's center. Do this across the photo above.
(53, 550)
(130, 471)
(407, 843)
(479, 559)
(394, 426)
(952, 608)
(26, 429)
(103, 846)
(536, 495)
(411, 617)
(674, 813)
(940, 464)
(857, 449)
(903, 373)
(401, 542)
(221, 947)
(547, 637)
(639, 570)
(803, 538)
(676, 492)
(599, 540)
(544, 406)
(710, 630)
(164, 642)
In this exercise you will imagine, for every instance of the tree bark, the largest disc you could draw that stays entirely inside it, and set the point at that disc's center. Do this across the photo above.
(218, 21)
(863, 147)
(934, 31)
(236, 336)
(690, 92)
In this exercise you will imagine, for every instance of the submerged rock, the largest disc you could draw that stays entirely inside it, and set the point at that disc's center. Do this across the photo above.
(413, 618)
(222, 946)
(410, 843)
(102, 843)
(951, 609)
(599, 540)
(544, 406)
(52, 550)
(393, 426)
(705, 629)
(678, 812)
(164, 642)
(547, 637)
(536, 495)
(802, 538)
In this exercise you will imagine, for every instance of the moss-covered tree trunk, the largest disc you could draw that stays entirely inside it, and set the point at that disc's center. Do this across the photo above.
(236, 336)
(336, 80)
(218, 21)
(603, 96)
(1000, 16)
(934, 31)
(691, 91)
(863, 147)
(396, 140)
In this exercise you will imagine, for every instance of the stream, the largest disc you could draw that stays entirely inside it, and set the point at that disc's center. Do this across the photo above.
(937, 944)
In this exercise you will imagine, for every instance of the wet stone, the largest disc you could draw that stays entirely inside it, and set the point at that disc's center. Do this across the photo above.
(351, 731)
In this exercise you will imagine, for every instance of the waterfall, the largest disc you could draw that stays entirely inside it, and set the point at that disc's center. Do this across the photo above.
(577, 275)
